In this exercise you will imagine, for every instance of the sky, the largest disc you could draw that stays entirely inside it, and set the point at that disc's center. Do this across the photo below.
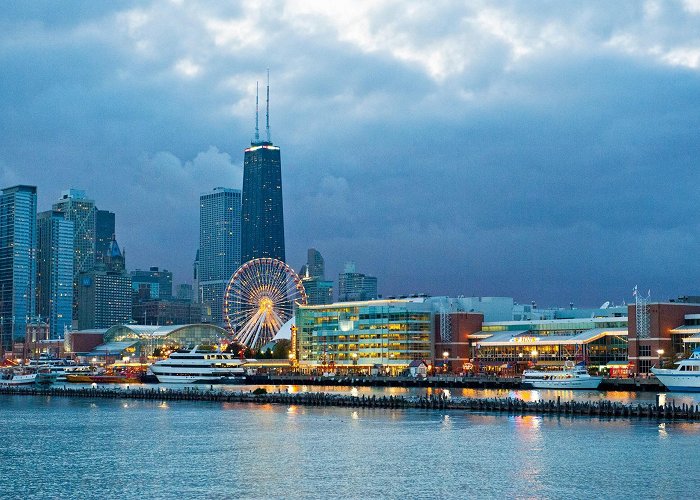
(546, 151)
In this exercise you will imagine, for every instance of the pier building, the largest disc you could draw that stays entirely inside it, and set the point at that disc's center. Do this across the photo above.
(660, 332)
(140, 341)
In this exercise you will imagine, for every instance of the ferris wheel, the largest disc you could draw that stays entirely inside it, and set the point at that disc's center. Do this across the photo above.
(261, 297)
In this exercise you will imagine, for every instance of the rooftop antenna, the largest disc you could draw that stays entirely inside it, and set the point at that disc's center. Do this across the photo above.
(267, 112)
(257, 132)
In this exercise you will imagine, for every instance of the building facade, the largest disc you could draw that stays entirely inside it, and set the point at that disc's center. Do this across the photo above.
(219, 254)
(355, 286)
(78, 208)
(662, 332)
(55, 271)
(105, 295)
(17, 262)
(383, 336)
(262, 211)
(105, 228)
(154, 284)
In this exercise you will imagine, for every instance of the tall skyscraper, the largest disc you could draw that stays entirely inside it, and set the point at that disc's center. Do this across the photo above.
(262, 214)
(354, 286)
(104, 230)
(17, 262)
(219, 253)
(81, 210)
(55, 271)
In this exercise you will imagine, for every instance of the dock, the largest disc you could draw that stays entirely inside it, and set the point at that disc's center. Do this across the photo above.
(504, 406)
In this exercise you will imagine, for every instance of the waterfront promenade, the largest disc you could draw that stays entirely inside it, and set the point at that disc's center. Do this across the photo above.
(511, 406)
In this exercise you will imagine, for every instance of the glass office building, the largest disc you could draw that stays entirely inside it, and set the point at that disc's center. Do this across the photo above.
(17, 262)
(382, 335)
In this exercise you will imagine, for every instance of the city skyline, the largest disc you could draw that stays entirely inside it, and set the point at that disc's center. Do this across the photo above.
(546, 156)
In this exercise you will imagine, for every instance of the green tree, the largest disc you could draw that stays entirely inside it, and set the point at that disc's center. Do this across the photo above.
(282, 348)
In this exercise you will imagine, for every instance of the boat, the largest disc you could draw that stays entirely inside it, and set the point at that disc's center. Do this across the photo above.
(27, 376)
(683, 378)
(571, 377)
(199, 365)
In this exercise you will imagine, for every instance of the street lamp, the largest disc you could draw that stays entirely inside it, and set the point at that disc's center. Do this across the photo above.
(660, 352)
(445, 355)
(354, 361)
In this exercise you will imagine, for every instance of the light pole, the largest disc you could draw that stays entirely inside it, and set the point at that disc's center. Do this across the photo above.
(354, 361)
(445, 355)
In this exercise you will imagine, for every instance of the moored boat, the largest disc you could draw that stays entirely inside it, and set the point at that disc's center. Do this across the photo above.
(571, 377)
(199, 366)
(683, 378)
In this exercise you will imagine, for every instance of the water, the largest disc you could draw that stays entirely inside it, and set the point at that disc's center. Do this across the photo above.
(81, 448)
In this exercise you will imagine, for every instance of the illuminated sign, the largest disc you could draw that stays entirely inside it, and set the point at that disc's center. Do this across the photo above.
(524, 339)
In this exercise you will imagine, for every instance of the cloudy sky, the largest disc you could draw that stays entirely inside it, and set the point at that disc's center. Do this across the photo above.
(546, 151)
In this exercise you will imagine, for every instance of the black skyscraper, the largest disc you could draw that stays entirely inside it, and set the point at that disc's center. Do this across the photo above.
(262, 224)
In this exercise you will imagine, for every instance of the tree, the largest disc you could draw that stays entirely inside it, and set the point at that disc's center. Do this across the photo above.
(282, 348)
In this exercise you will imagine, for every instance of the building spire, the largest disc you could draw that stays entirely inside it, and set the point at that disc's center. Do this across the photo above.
(257, 132)
(267, 111)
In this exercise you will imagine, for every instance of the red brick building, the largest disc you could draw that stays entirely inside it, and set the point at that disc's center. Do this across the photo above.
(455, 350)
(659, 345)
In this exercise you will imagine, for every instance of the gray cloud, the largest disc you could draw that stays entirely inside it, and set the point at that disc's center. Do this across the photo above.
(488, 148)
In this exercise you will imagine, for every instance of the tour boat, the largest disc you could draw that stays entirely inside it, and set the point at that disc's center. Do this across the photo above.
(571, 377)
(27, 377)
(685, 377)
(199, 366)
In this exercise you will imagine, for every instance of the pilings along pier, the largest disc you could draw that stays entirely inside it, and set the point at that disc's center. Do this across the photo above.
(509, 406)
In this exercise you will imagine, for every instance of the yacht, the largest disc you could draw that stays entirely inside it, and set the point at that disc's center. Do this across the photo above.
(685, 377)
(571, 377)
(199, 366)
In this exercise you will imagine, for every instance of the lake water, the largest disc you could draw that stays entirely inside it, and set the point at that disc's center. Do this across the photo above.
(82, 448)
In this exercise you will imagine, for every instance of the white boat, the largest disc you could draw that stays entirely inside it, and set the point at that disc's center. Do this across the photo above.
(27, 376)
(571, 377)
(685, 377)
(13, 378)
(199, 366)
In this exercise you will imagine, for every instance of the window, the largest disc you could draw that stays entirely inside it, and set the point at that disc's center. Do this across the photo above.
(645, 365)
(645, 350)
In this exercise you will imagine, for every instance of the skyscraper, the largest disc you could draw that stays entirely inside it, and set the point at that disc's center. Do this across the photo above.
(219, 253)
(104, 230)
(81, 210)
(104, 293)
(17, 262)
(55, 271)
(262, 215)
(318, 290)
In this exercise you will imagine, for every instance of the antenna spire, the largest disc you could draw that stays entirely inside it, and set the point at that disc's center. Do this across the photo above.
(267, 112)
(257, 132)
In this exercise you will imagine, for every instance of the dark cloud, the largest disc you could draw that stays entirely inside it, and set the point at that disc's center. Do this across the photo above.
(491, 149)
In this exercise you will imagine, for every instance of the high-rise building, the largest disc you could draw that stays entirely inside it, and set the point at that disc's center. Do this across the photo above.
(318, 290)
(262, 214)
(55, 271)
(219, 253)
(104, 230)
(154, 284)
(81, 210)
(314, 264)
(17, 262)
(354, 286)
(185, 292)
(104, 294)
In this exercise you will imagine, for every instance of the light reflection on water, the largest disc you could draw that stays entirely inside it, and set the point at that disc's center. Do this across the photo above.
(99, 448)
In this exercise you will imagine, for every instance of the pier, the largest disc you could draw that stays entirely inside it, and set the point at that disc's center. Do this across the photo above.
(636, 384)
(507, 406)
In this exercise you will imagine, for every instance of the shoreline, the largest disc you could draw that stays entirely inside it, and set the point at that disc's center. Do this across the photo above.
(507, 406)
